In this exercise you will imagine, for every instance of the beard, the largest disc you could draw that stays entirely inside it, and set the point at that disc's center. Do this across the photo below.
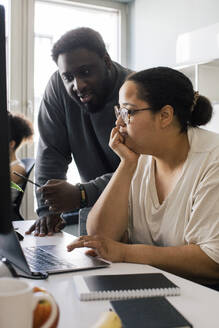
(92, 108)
(96, 105)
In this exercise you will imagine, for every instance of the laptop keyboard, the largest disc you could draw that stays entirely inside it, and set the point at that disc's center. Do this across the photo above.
(41, 261)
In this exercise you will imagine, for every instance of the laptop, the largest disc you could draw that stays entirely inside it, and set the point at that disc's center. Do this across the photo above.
(33, 261)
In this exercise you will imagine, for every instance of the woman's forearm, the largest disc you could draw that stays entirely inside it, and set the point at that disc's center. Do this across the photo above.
(109, 215)
(188, 261)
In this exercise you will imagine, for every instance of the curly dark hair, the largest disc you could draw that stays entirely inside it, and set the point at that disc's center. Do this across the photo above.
(161, 86)
(82, 37)
(20, 128)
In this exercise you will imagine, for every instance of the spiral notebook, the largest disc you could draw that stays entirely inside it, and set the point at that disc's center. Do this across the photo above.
(124, 286)
(156, 312)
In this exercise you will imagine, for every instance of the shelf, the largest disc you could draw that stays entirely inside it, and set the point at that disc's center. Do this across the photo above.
(205, 79)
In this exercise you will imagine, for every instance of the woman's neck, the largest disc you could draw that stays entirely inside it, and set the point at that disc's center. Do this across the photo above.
(174, 154)
(13, 157)
(168, 167)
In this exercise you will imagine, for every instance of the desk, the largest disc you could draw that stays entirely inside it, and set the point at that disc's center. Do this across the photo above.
(200, 305)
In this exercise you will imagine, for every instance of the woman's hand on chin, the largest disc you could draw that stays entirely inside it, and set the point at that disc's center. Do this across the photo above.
(117, 144)
(101, 246)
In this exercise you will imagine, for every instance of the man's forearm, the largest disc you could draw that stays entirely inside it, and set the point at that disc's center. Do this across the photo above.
(188, 261)
(95, 187)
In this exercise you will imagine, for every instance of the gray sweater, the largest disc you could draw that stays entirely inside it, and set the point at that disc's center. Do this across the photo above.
(67, 131)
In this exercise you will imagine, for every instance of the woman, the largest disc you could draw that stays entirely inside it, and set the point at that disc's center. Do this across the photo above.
(164, 196)
(21, 130)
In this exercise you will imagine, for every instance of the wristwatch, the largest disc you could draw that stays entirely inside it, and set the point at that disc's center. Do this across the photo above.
(83, 198)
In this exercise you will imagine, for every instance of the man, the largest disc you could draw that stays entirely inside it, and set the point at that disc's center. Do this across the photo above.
(75, 119)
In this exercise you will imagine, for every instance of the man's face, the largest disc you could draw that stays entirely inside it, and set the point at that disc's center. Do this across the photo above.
(85, 75)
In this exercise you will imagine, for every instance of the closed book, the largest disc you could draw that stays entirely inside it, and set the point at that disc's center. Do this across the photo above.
(124, 286)
(156, 312)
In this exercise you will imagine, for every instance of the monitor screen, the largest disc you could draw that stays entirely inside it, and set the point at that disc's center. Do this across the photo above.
(5, 193)
(9, 245)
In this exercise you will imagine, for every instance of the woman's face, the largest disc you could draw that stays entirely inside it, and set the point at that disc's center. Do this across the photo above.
(140, 133)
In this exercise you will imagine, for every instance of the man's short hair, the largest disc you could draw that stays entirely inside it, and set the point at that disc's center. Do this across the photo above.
(82, 37)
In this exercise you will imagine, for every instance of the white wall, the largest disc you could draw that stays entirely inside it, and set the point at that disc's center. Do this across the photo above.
(155, 25)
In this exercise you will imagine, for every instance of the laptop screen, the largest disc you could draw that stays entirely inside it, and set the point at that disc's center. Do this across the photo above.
(5, 193)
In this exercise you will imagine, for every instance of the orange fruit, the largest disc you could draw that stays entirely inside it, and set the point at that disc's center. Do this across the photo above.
(43, 311)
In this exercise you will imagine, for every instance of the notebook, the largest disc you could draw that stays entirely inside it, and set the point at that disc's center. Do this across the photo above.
(124, 286)
(156, 312)
(10, 248)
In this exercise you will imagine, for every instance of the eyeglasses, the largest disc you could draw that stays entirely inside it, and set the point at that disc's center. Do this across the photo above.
(127, 113)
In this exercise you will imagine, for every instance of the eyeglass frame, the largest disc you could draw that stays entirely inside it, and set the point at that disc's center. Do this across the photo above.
(127, 113)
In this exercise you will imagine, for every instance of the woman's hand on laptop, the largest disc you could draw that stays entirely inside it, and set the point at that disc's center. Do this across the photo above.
(101, 246)
(47, 225)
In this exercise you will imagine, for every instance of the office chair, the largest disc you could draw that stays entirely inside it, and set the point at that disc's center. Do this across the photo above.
(16, 215)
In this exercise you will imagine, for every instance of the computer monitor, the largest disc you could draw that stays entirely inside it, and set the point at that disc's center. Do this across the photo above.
(5, 192)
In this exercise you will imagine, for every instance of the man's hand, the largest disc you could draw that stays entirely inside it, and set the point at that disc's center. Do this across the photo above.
(47, 226)
(104, 247)
(60, 196)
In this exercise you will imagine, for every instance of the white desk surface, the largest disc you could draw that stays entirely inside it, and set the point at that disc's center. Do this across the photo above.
(200, 305)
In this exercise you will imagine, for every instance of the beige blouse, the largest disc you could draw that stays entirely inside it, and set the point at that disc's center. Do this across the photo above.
(190, 213)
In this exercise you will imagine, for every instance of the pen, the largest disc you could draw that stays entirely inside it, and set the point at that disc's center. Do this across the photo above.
(22, 176)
